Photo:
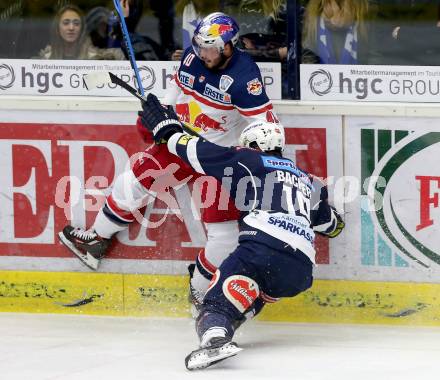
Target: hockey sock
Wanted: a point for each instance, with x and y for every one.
(105, 227)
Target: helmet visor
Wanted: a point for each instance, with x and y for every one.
(204, 50)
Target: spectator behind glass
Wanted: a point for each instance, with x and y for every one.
(69, 39)
(163, 10)
(266, 39)
(192, 12)
(410, 32)
(335, 32)
(98, 27)
(264, 33)
(144, 47)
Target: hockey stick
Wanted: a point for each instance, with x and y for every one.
(126, 38)
(140, 94)
(99, 79)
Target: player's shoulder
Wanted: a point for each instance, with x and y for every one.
(244, 65)
(248, 156)
(246, 75)
(245, 60)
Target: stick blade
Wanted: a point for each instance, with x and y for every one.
(94, 80)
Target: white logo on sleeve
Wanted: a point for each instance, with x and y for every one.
(225, 82)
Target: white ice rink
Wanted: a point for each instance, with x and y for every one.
(37, 347)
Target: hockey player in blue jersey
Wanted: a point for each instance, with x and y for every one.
(281, 209)
(217, 91)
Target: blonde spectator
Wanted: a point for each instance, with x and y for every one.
(335, 31)
(69, 39)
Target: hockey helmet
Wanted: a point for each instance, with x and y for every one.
(267, 136)
(215, 31)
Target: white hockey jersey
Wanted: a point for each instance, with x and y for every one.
(219, 104)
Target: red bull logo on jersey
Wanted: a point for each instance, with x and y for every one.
(254, 87)
(191, 114)
(216, 94)
(206, 123)
(216, 30)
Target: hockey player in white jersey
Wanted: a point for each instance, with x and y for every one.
(216, 91)
(281, 210)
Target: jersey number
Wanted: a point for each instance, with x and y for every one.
(189, 58)
(303, 202)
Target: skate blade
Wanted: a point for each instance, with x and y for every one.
(87, 259)
(206, 357)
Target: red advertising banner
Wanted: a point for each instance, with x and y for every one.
(51, 173)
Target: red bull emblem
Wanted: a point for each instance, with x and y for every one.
(217, 30)
(191, 114)
(254, 87)
(205, 123)
(224, 29)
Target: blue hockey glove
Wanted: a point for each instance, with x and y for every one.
(161, 120)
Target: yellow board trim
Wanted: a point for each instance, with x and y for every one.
(328, 301)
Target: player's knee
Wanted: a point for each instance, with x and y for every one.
(128, 192)
(241, 291)
(222, 230)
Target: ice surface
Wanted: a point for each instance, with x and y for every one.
(36, 347)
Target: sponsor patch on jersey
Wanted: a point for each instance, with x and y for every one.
(216, 94)
(241, 291)
(225, 82)
(291, 224)
(184, 139)
(279, 163)
(254, 87)
(186, 79)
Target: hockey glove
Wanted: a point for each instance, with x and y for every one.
(339, 225)
(161, 120)
(329, 229)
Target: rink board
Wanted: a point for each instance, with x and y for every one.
(328, 301)
(56, 168)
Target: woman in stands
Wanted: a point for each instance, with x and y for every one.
(69, 39)
(335, 32)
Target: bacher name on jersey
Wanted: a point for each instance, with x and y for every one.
(280, 205)
(218, 104)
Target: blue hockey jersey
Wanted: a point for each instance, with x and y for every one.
(219, 104)
(279, 203)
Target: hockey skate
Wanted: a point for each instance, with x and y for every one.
(219, 349)
(88, 246)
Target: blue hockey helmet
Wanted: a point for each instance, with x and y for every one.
(215, 31)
